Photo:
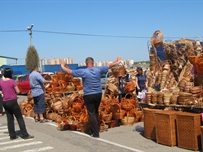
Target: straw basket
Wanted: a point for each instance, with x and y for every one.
(174, 99)
(85, 127)
(29, 95)
(148, 97)
(128, 121)
(112, 87)
(184, 98)
(157, 38)
(166, 128)
(196, 89)
(188, 130)
(118, 70)
(130, 86)
(154, 97)
(160, 98)
(107, 117)
(167, 97)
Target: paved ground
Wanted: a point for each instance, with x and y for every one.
(48, 138)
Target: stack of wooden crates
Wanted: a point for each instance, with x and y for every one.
(173, 128)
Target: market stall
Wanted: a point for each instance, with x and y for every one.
(65, 105)
(173, 103)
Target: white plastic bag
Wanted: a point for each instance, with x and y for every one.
(142, 94)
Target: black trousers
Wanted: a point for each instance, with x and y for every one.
(92, 103)
(12, 109)
(1, 104)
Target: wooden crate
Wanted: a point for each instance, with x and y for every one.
(149, 123)
(201, 128)
(166, 127)
(188, 130)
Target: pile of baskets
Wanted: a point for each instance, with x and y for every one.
(127, 111)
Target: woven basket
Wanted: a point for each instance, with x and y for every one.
(118, 70)
(165, 127)
(112, 87)
(130, 87)
(188, 130)
(85, 127)
(174, 99)
(157, 38)
(128, 121)
(107, 117)
(29, 95)
(149, 123)
(160, 98)
(148, 97)
(196, 89)
(154, 97)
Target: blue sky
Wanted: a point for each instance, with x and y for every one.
(134, 18)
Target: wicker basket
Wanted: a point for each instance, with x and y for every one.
(188, 130)
(85, 127)
(118, 70)
(148, 97)
(128, 121)
(166, 127)
(130, 87)
(149, 123)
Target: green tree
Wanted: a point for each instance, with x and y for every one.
(32, 58)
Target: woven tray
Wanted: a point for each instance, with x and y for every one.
(149, 123)
(188, 130)
(166, 127)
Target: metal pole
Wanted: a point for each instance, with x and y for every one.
(30, 29)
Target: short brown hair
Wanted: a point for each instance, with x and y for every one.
(89, 60)
(140, 69)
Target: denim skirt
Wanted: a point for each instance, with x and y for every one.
(39, 104)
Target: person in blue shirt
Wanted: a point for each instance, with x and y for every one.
(37, 90)
(141, 80)
(91, 77)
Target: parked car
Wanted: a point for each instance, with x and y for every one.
(104, 79)
(17, 77)
(24, 84)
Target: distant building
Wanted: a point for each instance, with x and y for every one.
(3, 61)
(57, 61)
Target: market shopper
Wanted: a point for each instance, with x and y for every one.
(1, 104)
(37, 90)
(91, 77)
(1, 95)
(122, 82)
(10, 91)
(141, 80)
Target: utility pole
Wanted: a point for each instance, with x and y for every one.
(30, 29)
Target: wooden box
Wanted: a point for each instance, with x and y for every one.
(188, 130)
(149, 123)
(166, 127)
(201, 128)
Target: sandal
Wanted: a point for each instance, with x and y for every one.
(43, 120)
(36, 120)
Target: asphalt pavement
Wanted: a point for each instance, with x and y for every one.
(48, 138)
